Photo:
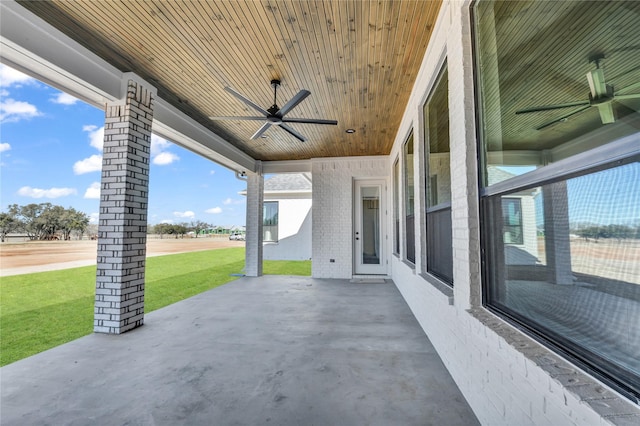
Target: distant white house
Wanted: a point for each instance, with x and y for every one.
(518, 222)
(287, 217)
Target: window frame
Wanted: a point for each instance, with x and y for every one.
(429, 209)
(276, 225)
(396, 206)
(409, 192)
(589, 361)
(618, 152)
(519, 225)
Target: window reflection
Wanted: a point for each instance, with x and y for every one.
(557, 78)
(569, 260)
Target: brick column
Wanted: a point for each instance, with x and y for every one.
(255, 201)
(122, 229)
(556, 232)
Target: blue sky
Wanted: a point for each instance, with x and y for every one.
(51, 151)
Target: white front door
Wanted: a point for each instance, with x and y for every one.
(368, 228)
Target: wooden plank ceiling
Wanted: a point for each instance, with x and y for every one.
(359, 59)
(543, 52)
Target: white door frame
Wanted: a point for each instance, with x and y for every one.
(376, 265)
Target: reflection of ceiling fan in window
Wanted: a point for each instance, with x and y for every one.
(601, 96)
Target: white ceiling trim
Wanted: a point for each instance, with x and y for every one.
(32, 46)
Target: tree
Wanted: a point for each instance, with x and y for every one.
(92, 231)
(198, 225)
(180, 229)
(73, 220)
(51, 221)
(8, 223)
(47, 222)
(162, 228)
(32, 218)
(590, 232)
(619, 232)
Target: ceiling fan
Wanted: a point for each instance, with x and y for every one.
(274, 115)
(601, 96)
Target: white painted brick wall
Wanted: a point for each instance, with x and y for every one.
(507, 378)
(332, 211)
(122, 236)
(294, 231)
(253, 245)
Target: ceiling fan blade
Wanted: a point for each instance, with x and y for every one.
(628, 115)
(624, 97)
(261, 130)
(563, 118)
(597, 84)
(629, 87)
(246, 101)
(293, 132)
(552, 107)
(294, 102)
(238, 118)
(309, 121)
(606, 113)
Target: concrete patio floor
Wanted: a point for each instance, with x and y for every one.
(273, 350)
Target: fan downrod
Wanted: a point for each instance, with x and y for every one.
(273, 110)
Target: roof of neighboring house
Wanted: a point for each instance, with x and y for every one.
(496, 174)
(288, 182)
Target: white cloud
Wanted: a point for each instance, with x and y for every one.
(88, 165)
(215, 210)
(229, 201)
(93, 191)
(212, 172)
(165, 158)
(158, 145)
(12, 110)
(168, 221)
(10, 77)
(4, 147)
(96, 135)
(64, 99)
(27, 191)
(159, 153)
(93, 218)
(187, 214)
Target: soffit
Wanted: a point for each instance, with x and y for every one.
(358, 58)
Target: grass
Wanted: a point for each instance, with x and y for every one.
(43, 310)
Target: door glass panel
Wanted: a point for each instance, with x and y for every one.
(370, 198)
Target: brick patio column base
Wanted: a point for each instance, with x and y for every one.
(122, 228)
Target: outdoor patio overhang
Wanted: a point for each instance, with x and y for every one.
(358, 59)
(37, 49)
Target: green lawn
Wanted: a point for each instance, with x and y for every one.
(43, 310)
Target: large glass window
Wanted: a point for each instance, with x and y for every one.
(270, 221)
(409, 204)
(559, 97)
(556, 78)
(439, 251)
